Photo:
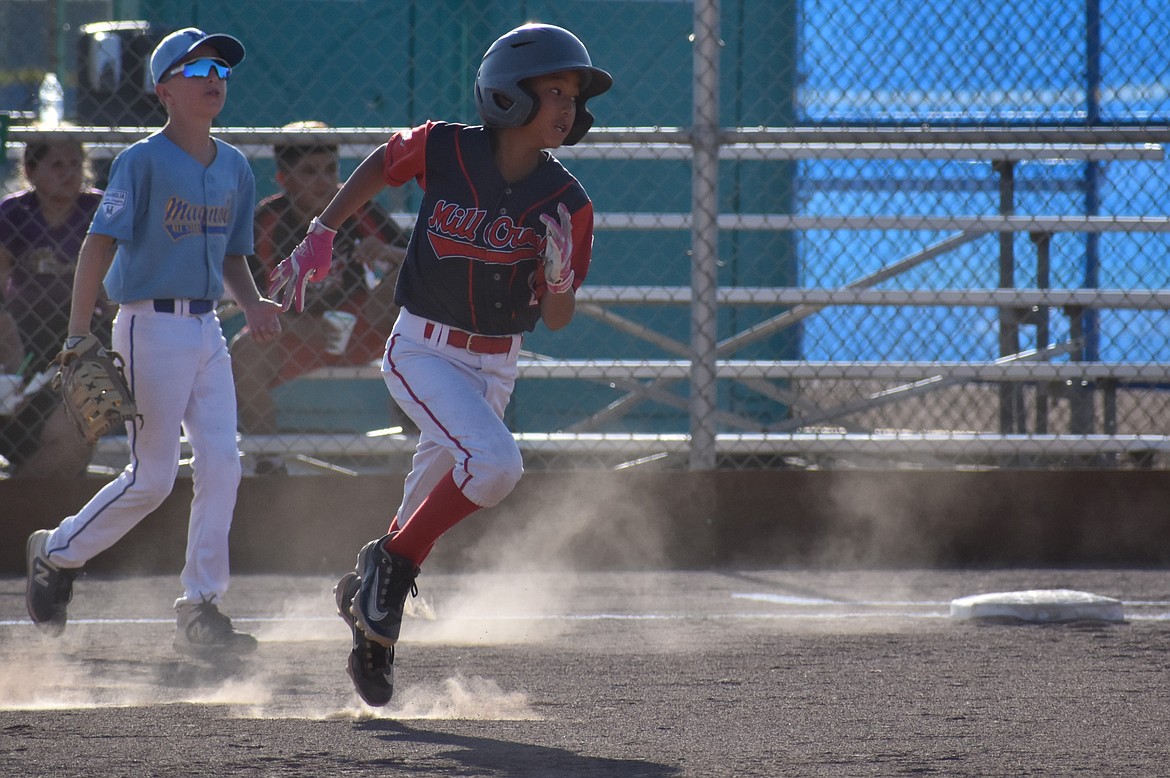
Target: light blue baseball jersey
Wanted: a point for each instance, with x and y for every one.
(174, 220)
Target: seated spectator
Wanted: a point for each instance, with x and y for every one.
(41, 229)
(367, 253)
(11, 347)
(11, 365)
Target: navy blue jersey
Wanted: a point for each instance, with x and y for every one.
(474, 258)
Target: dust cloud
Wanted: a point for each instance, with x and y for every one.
(518, 564)
(879, 522)
(513, 585)
(468, 699)
(80, 674)
(88, 670)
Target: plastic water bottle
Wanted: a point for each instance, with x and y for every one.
(51, 98)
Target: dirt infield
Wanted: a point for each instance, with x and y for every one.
(728, 673)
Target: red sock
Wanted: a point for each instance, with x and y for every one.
(442, 509)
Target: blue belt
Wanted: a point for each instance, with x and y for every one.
(193, 306)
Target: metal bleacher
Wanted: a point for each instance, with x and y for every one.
(815, 428)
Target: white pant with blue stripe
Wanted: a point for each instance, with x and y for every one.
(178, 368)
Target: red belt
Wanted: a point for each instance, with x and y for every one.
(473, 342)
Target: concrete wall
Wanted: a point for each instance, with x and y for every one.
(635, 520)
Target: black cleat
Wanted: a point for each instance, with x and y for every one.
(48, 588)
(370, 666)
(386, 579)
(202, 631)
(270, 466)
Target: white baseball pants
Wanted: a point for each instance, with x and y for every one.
(178, 368)
(457, 399)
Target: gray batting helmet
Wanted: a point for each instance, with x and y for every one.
(529, 51)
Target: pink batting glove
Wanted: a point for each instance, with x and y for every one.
(309, 261)
(558, 251)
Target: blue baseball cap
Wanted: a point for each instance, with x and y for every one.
(182, 42)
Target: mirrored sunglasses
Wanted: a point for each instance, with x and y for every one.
(201, 68)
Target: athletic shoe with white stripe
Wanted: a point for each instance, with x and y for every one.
(386, 579)
(49, 588)
(370, 666)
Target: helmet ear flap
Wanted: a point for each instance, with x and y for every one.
(506, 107)
(533, 104)
(581, 125)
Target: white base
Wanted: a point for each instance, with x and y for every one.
(1038, 605)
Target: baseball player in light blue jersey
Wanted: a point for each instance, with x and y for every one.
(170, 238)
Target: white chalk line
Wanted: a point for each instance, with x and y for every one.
(803, 609)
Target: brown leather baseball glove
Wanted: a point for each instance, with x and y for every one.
(93, 387)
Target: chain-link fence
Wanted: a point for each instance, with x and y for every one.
(828, 233)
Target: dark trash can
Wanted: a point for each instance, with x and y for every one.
(113, 78)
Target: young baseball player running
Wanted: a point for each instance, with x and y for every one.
(169, 237)
(503, 240)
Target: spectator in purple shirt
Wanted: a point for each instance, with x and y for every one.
(41, 229)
